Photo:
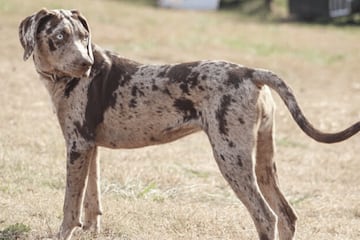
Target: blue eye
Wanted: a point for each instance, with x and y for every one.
(60, 36)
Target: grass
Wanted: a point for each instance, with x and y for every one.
(175, 191)
(16, 231)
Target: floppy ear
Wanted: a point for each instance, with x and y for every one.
(27, 31)
(77, 15)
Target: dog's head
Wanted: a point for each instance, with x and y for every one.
(60, 41)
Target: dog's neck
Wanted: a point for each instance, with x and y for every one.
(53, 77)
(55, 85)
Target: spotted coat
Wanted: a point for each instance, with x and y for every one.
(103, 99)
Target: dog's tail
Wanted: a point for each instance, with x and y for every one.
(261, 77)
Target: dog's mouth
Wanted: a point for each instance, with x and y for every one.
(86, 72)
(78, 71)
(85, 68)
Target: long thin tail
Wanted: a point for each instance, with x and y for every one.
(261, 77)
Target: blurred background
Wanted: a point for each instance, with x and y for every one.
(305, 10)
(175, 191)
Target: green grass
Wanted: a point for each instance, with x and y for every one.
(15, 232)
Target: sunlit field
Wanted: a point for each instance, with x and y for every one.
(175, 191)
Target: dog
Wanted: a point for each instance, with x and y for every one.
(104, 100)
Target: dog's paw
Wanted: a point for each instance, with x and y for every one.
(67, 230)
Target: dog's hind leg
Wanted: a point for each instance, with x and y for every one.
(92, 201)
(266, 171)
(236, 163)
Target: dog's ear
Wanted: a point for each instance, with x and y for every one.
(28, 30)
(77, 15)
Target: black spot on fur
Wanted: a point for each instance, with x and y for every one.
(135, 91)
(193, 79)
(240, 163)
(263, 237)
(106, 78)
(234, 79)
(231, 144)
(84, 130)
(51, 45)
(222, 112)
(154, 87)
(184, 87)
(28, 22)
(167, 92)
(74, 155)
(70, 86)
(132, 103)
(248, 73)
(236, 76)
(184, 75)
(163, 72)
(180, 72)
(54, 21)
(241, 120)
(228, 178)
(186, 106)
(42, 24)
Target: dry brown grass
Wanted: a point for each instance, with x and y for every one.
(175, 191)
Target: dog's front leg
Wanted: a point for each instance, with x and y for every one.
(77, 169)
(92, 201)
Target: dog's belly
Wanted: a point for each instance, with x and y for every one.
(139, 130)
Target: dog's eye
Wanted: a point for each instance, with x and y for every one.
(59, 36)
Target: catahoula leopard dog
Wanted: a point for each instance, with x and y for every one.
(102, 99)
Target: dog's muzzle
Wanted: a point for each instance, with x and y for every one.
(85, 66)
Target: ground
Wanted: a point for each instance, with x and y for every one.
(175, 191)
